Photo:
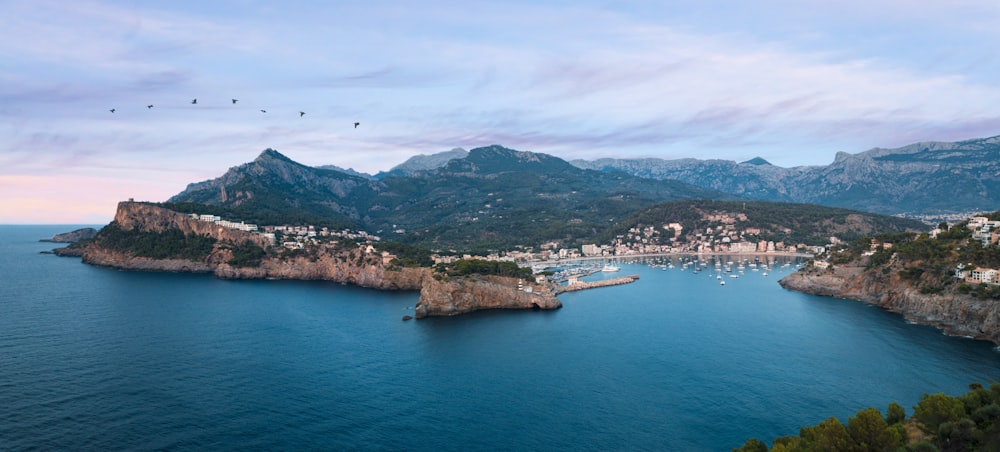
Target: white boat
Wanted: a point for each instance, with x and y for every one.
(722, 283)
(610, 268)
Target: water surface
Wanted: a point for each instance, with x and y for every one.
(93, 358)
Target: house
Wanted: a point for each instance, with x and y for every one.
(982, 276)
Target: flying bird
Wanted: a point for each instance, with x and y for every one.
(112, 110)
(263, 111)
(149, 106)
(194, 101)
(356, 125)
(234, 100)
(301, 113)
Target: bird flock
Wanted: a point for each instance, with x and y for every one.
(234, 101)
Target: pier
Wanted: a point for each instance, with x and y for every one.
(576, 284)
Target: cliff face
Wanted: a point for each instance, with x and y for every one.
(146, 217)
(955, 314)
(463, 295)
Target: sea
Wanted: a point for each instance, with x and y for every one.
(93, 358)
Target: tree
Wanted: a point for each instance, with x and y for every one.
(960, 435)
(869, 432)
(936, 409)
(895, 414)
(987, 416)
(753, 445)
(827, 435)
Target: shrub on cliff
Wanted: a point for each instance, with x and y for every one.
(169, 244)
(247, 254)
(464, 267)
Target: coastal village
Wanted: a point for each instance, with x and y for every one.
(724, 237)
(988, 233)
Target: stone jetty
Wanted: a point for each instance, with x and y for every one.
(576, 284)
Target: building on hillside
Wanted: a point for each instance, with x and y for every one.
(981, 275)
(986, 232)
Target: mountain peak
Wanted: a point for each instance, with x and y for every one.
(497, 159)
(428, 162)
(757, 161)
(270, 155)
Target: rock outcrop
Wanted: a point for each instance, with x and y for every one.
(460, 295)
(955, 314)
(72, 236)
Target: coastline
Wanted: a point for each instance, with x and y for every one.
(796, 254)
(953, 314)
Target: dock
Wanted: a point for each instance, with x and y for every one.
(576, 284)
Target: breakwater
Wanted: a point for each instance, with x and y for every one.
(576, 284)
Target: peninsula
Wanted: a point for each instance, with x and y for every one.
(150, 238)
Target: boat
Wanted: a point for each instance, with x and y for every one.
(609, 268)
(722, 283)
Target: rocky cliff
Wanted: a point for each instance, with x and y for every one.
(328, 262)
(461, 295)
(149, 217)
(955, 314)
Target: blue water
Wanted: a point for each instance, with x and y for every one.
(93, 358)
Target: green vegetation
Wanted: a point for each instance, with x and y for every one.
(247, 254)
(463, 267)
(927, 263)
(780, 222)
(970, 422)
(406, 255)
(493, 200)
(169, 244)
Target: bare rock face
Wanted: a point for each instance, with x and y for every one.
(462, 295)
(955, 314)
(146, 217)
(331, 266)
(107, 258)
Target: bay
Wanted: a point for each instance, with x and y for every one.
(94, 358)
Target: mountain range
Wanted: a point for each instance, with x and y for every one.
(494, 197)
(924, 179)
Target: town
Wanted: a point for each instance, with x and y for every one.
(721, 237)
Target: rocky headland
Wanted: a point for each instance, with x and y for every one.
(72, 236)
(357, 265)
(460, 295)
(954, 313)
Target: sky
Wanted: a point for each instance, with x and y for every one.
(791, 81)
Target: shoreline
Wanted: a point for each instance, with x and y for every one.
(795, 254)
